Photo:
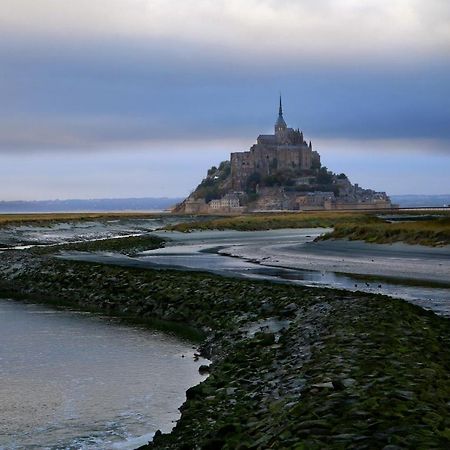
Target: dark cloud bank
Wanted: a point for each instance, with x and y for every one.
(102, 96)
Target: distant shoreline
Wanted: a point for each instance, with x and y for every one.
(87, 211)
(161, 204)
(89, 205)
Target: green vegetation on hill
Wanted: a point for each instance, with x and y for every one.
(321, 179)
(217, 181)
(214, 185)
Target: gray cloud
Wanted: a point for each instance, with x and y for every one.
(103, 102)
(322, 30)
(92, 74)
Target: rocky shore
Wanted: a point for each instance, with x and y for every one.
(292, 367)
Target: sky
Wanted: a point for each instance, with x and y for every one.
(138, 98)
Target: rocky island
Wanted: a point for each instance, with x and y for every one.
(280, 172)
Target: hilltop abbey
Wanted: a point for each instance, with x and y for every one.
(280, 172)
(284, 150)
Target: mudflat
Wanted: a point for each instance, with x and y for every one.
(415, 262)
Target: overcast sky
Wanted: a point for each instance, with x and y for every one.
(121, 98)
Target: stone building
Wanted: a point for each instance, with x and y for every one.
(191, 205)
(315, 200)
(228, 203)
(286, 149)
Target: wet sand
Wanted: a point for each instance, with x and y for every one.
(291, 256)
(411, 262)
(295, 249)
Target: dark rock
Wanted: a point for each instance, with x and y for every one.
(265, 338)
(342, 383)
(213, 444)
(326, 385)
(194, 392)
(338, 384)
(204, 369)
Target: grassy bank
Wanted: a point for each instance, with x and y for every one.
(48, 218)
(293, 367)
(253, 222)
(130, 245)
(434, 232)
(366, 226)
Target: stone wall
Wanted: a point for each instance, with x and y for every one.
(266, 160)
(375, 204)
(195, 206)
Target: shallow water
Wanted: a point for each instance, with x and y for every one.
(23, 236)
(76, 380)
(290, 256)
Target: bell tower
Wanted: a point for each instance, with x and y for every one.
(280, 124)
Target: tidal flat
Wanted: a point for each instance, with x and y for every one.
(419, 274)
(293, 367)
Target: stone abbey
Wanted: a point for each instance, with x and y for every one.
(280, 172)
(284, 150)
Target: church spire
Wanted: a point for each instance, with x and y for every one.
(280, 125)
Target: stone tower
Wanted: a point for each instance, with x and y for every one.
(280, 124)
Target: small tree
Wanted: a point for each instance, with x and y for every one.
(212, 171)
(324, 176)
(315, 164)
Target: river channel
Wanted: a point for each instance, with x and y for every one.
(72, 380)
(418, 274)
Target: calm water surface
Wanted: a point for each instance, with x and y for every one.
(72, 380)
